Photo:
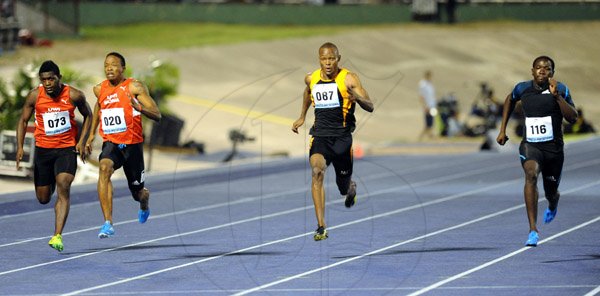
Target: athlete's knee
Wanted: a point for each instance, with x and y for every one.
(63, 183)
(318, 172)
(105, 169)
(43, 196)
(43, 199)
(531, 176)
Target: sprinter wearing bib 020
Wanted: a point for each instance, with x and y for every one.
(118, 112)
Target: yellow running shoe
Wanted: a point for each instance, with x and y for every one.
(320, 233)
(56, 242)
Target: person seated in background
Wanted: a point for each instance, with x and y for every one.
(581, 126)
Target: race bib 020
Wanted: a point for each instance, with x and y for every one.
(56, 122)
(113, 121)
(325, 95)
(539, 129)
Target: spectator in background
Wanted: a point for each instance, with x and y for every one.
(451, 11)
(581, 126)
(428, 101)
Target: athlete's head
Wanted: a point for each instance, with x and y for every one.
(328, 58)
(542, 69)
(49, 75)
(114, 66)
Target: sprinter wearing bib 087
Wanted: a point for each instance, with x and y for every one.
(334, 93)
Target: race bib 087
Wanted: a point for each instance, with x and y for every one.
(113, 121)
(56, 122)
(325, 95)
(539, 129)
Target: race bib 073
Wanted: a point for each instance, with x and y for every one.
(539, 129)
(325, 95)
(56, 122)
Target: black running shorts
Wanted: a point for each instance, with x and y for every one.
(550, 162)
(131, 158)
(49, 162)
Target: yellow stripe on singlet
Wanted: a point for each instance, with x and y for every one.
(235, 110)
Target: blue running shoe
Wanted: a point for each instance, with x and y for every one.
(533, 238)
(549, 215)
(106, 230)
(143, 215)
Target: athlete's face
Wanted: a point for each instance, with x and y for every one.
(113, 68)
(329, 58)
(50, 82)
(542, 71)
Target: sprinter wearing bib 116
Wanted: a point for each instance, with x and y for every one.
(334, 92)
(121, 102)
(545, 103)
(56, 144)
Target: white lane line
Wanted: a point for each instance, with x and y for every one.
(433, 166)
(593, 292)
(126, 280)
(250, 220)
(269, 196)
(499, 259)
(260, 218)
(271, 284)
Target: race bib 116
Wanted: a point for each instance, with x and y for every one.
(539, 129)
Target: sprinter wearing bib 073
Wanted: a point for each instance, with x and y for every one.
(56, 144)
(334, 93)
(545, 103)
(118, 112)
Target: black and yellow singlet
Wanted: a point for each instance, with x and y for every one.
(334, 113)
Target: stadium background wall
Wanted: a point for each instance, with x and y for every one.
(103, 13)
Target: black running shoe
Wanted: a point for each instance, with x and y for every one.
(320, 233)
(351, 196)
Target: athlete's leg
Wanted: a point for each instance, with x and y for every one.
(105, 188)
(532, 170)
(318, 166)
(551, 174)
(43, 174)
(143, 196)
(342, 163)
(61, 207)
(134, 171)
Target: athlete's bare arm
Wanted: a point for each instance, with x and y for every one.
(569, 112)
(509, 106)
(306, 101)
(95, 122)
(145, 104)
(78, 99)
(27, 111)
(357, 93)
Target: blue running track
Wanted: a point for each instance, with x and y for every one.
(431, 225)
